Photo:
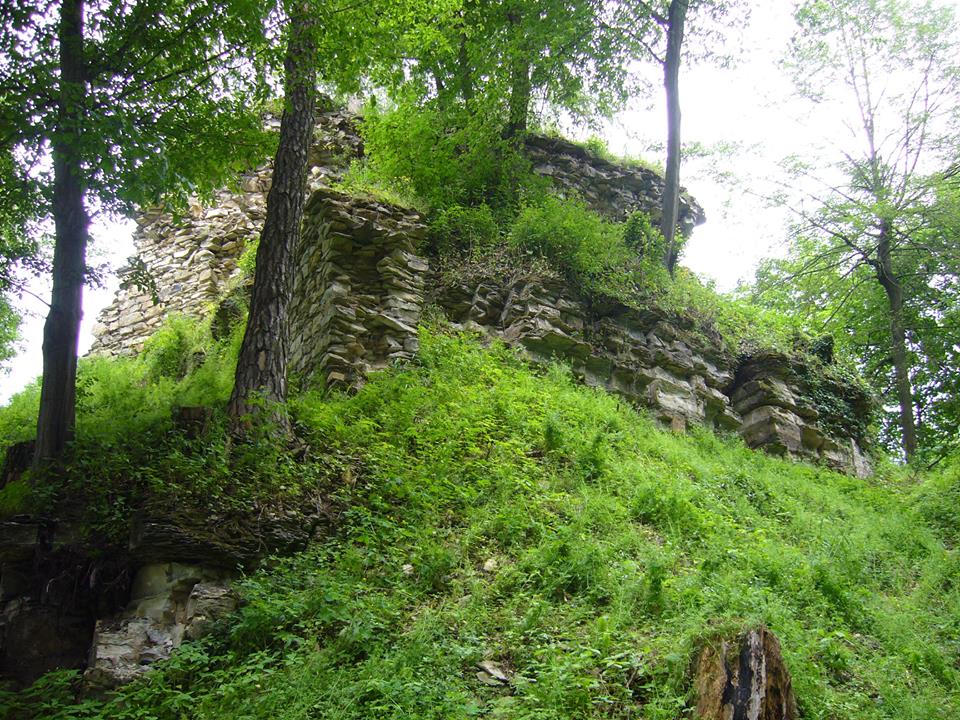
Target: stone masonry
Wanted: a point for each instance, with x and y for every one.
(360, 287)
(193, 257)
(358, 290)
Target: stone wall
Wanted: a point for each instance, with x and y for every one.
(612, 189)
(193, 256)
(358, 290)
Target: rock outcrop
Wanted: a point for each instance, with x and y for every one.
(645, 356)
(612, 189)
(51, 593)
(193, 256)
(169, 603)
(790, 409)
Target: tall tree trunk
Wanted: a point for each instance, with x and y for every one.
(262, 365)
(61, 331)
(898, 338)
(671, 82)
(520, 91)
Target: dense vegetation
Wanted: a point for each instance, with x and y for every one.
(482, 509)
(488, 510)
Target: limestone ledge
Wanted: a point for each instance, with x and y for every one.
(779, 415)
(169, 603)
(609, 188)
(641, 356)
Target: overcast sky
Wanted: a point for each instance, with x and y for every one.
(748, 104)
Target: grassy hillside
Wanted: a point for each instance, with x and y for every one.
(487, 511)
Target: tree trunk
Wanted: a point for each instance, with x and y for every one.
(520, 84)
(55, 423)
(262, 366)
(898, 338)
(520, 90)
(671, 82)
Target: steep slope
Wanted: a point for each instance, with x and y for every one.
(506, 543)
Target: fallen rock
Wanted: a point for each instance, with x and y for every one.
(492, 673)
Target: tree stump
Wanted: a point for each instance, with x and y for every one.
(745, 680)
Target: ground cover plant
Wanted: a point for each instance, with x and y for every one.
(491, 511)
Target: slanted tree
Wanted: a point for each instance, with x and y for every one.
(133, 101)
(323, 41)
(890, 76)
(262, 363)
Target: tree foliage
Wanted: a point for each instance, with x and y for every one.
(131, 102)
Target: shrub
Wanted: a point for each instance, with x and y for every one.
(579, 241)
(463, 229)
(640, 235)
(173, 350)
(938, 501)
(448, 157)
(363, 178)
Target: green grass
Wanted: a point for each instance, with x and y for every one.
(491, 511)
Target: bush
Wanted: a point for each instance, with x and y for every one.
(363, 178)
(174, 349)
(640, 235)
(584, 245)
(463, 229)
(938, 501)
(448, 157)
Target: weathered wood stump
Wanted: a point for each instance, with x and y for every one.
(745, 680)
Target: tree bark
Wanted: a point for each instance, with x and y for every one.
(261, 373)
(676, 18)
(898, 338)
(56, 419)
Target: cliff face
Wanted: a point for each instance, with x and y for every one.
(360, 289)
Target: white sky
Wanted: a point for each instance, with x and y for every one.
(748, 104)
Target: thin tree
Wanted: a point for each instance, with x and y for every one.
(662, 37)
(676, 19)
(890, 71)
(133, 101)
